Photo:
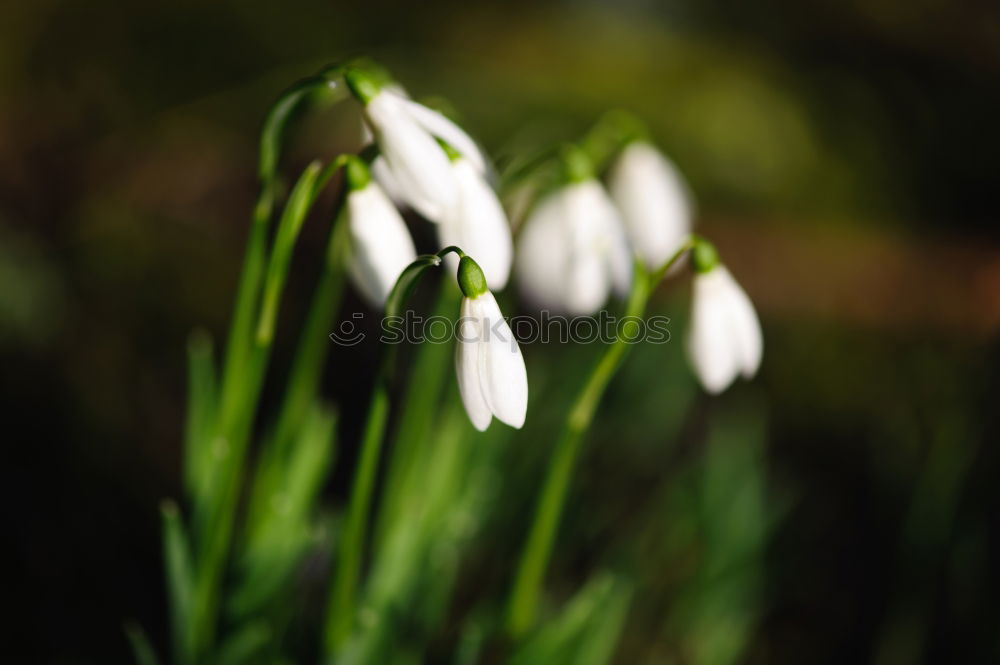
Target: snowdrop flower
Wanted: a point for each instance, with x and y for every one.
(653, 200)
(405, 133)
(477, 223)
(380, 244)
(491, 375)
(573, 250)
(725, 339)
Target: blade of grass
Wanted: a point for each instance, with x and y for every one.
(142, 650)
(538, 548)
(431, 366)
(177, 560)
(276, 547)
(238, 405)
(340, 613)
(303, 382)
(200, 414)
(585, 632)
(244, 645)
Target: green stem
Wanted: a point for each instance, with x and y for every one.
(340, 611)
(307, 369)
(314, 342)
(215, 516)
(239, 345)
(522, 606)
(343, 592)
(417, 415)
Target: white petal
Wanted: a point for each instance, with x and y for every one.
(597, 235)
(479, 226)
(543, 253)
(502, 375)
(387, 181)
(440, 126)
(467, 367)
(747, 338)
(381, 246)
(418, 164)
(654, 201)
(586, 284)
(573, 250)
(711, 339)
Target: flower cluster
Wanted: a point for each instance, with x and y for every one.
(581, 242)
(427, 163)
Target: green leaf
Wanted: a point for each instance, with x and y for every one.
(141, 648)
(431, 367)
(244, 645)
(585, 632)
(299, 203)
(177, 558)
(200, 413)
(286, 527)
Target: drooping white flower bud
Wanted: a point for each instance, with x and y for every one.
(573, 251)
(478, 224)
(725, 339)
(380, 244)
(492, 379)
(654, 202)
(405, 132)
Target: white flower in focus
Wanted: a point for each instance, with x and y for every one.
(380, 244)
(405, 132)
(725, 339)
(478, 224)
(573, 251)
(491, 376)
(654, 202)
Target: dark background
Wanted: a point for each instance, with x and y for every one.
(843, 154)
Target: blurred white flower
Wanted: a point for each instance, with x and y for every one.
(654, 202)
(478, 225)
(573, 251)
(725, 339)
(380, 244)
(492, 379)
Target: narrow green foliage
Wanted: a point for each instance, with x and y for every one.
(534, 559)
(142, 650)
(585, 632)
(275, 544)
(341, 610)
(244, 645)
(238, 404)
(200, 414)
(180, 582)
(431, 367)
(299, 203)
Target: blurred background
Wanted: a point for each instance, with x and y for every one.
(840, 508)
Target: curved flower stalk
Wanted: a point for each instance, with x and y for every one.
(653, 199)
(500, 377)
(380, 244)
(723, 322)
(725, 339)
(491, 375)
(477, 223)
(405, 132)
(573, 251)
